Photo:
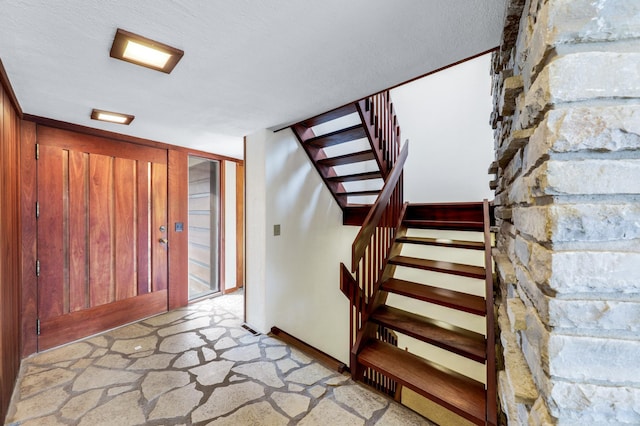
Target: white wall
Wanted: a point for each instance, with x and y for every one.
(230, 224)
(445, 116)
(301, 282)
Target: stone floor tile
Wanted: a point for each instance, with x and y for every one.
(309, 375)
(36, 383)
(42, 404)
(261, 371)
(112, 361)
(236, 378)
(177, 403)
(225, 343)
(209, 354)
(276, 352)
(213, 334)
(78, 406)
(42, 421)
(94, 377)
(63, 354)
(124, 409)
(337, 380)
(242, 353)
(81, 364)
(132, 331)
(328, 412)
(212, 373)
(268, 340)
(181, 342)
(227, 399)
(285, 365)
(158, 382)
(153, 362)
(238, 332)
(359, 399)
(317, 391)
(291, 403)
(260, 413)
(167, 318)
(99, 352)
(295, 388)
(117, 390)
(189, 325)
(99, 341)
(299, 357)
(141, 354)
(131, 346)
(231, 322)
(396, 414)
(187, 359)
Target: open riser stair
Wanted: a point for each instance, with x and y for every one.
(354, 148)
(420, 282)
(431, 292)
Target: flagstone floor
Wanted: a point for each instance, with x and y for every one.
(194, 365)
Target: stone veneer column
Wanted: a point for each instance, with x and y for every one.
(567, 131)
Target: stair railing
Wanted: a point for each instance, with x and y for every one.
(492, 404)
(371, 249)
(381, 124)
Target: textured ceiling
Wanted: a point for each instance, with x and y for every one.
(248, 64)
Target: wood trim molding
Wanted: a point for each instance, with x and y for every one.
(222, 241)
(240, 230)
(6, 84)
(50, 122)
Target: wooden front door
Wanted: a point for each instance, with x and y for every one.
(102, 229)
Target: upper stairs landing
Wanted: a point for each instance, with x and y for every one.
(353, 148)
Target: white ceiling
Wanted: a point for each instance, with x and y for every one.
(248, 64)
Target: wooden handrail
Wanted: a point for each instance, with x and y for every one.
(492, 403)
(382, 128)
(372, 220)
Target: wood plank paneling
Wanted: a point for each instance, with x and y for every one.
(100, 146)
(101, 280)
(159, 268)
(240, 225)
(10, 246)
(80, 324)
(178, 210)
(51, 243)
(143, 176)
(29, 238)
(78, 230)
(125, 231)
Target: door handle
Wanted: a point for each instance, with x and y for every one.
(164, 241)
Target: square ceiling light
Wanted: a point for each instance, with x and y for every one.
(111, 117)
(145, 52)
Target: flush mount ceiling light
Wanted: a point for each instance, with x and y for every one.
(142, 51)
(111, 117)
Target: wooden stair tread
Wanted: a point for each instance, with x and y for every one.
(439, 296)
(439, 266)
(438, 333)
(441, 242)
(458, 393)
(331, 115)
(358, 193)
(444, 224)
(339, 136)
(356, 177)
(354, 157)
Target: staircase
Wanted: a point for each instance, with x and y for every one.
(407, 308)
(354, 148)
(410, 337)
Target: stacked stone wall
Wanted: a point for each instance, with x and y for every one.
(566, 86)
